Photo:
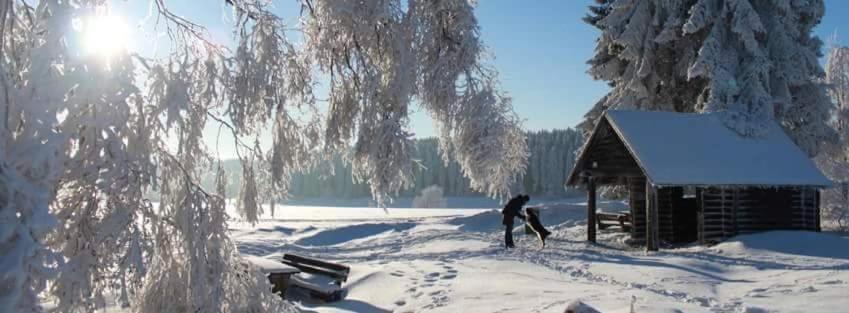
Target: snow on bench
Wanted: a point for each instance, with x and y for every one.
(319, 288)
(269, 266)
(279, 274)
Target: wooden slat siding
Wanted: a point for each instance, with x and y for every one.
(591, 209)
(637, 202)
(666, 214)
(809, 209)
(777, 208)
(817, 203)
(801, 211)
(700, 212)
(652, 220)
(717, 215)
(613, 161)
(736, 210)
(812, 209)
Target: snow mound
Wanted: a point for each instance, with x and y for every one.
(580, 307)
(481, 222)
(343, 234)
(804, 243)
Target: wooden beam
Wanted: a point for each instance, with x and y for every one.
(591, 208)
(818, 211)
(621, 172)
(652, 227)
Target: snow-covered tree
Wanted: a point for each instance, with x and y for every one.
(835, 161)
(837, 76)
(84, 138)
(755, 60)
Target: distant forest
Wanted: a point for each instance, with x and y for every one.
(552, 154)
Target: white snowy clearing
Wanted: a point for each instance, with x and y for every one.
(453, 260)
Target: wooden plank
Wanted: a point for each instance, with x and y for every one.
(652, 229)
(337, 276)
(318, 263)
(735, 207)
(591, 209)
(818, 223)
(637, 202)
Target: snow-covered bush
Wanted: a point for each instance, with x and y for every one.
(431, 197)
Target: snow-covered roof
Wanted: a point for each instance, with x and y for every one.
(698, 149)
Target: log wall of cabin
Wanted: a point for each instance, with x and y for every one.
(637, 202)
(726, 212)
(608, 159)
(666, 211)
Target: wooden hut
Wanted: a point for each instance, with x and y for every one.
(691, 178)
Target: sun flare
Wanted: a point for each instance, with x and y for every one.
(105, 35)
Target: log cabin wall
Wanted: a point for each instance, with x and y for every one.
(716, 217)
(608, 160)
(806, 213)
(726, 212)
(637, 202)
(666, 210)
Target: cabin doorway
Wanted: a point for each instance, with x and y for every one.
(678, 210)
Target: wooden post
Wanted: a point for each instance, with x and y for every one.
(818, 212)
(652, 220)
(591, 206)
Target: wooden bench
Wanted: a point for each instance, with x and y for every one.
(279, 274)
(606, 219)
(317, 288)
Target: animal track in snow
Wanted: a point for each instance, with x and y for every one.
(434, 285)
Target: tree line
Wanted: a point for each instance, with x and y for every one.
(551, 156)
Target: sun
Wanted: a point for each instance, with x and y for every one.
(105, 35)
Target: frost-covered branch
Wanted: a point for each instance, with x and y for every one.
(82, 141)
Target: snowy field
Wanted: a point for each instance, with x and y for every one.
(452, 260)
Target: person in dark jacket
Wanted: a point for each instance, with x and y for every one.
(512, 210)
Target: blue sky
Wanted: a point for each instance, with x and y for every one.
(539, 47)
(541, 50)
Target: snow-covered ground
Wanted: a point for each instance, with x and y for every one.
(452, 260)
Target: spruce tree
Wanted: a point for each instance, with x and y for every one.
(756, 61)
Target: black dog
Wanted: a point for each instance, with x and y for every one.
(533, 221)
